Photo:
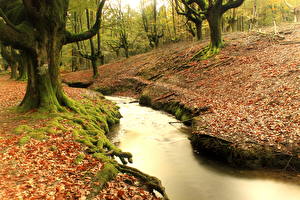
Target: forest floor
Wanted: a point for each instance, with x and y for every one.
(46, 168)
(249, 92)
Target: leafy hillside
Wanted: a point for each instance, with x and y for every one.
(247, 95)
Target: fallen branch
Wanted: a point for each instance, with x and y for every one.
(164, 97)
(223, 62)
(288, 163)
(289, 42)
(134, 101)
(181, 122)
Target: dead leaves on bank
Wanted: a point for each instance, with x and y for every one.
(53, 168)
(252, 86)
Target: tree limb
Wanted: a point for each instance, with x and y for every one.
(70, 38)
(232, 4)
(8, 22)
(14, 38)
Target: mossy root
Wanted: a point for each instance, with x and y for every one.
(152, 183)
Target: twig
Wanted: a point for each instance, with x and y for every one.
(290, 42)
(134, 101)
(180, 122)
(288, 163)
(164, 97)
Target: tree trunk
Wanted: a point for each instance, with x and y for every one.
(74, 60)
(14, 71)
(23, 68)
(199, 31)
(95, 67)
(214, 21)
(44, 88)
(92, 46)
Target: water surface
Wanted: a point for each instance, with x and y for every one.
(163, 150)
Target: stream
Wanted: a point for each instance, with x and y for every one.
(163, 150)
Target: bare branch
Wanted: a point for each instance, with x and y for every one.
(232, 4)
(70, 38)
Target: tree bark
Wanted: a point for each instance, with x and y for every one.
(40, 34)
(14, 71)
(23, 68)
(199, 30)
(214, 21)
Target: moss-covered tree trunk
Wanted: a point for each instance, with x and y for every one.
(95, 67)
(214, 21)
(216, 43)
(40, 32)
(44, 89)
(213, 11)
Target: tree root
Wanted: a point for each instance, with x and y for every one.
(207, 52)
(152, 183)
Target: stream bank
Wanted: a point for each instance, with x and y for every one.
(163, 149)
(246, 154)
(244, 102)
(66, 154)
(249, 155)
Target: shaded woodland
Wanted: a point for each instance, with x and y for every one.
(229, 69)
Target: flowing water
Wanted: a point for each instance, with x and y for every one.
(163, 150)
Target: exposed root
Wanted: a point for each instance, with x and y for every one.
(152, 183)
(206, 53)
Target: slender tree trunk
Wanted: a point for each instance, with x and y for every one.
(14, 71)
(23, 68)
(126, 52)
(93, 53)
(173, 19)
(199, 30)
(74, 60)
(95, 67)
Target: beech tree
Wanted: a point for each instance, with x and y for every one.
(213, 11)
(192, 14)
(150, 24)
(12, 59)
(38, 29)
(96, 57)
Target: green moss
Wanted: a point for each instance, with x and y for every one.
(208, 52)
(80, 157)
(22, 129)
(38, 135)
(89, 122)
(53, 148)
(145, 100)
(178, 113)
(108, 172)
(185, 117)
(24, 140)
